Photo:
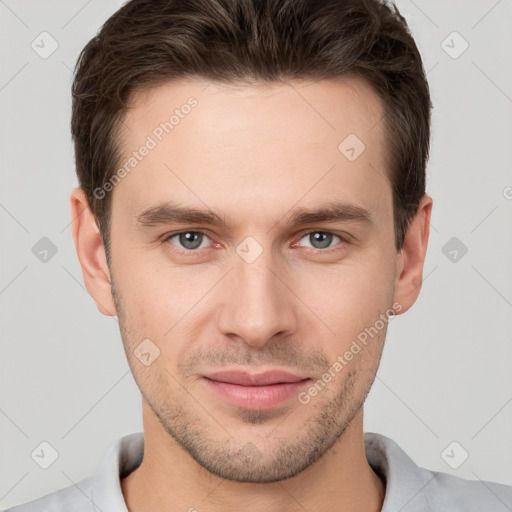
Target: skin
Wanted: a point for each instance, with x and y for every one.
(253, 154)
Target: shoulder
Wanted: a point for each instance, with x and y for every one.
(74, 498)
(411, 488)
(449, 492)
(100, 492)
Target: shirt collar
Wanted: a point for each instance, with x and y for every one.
(122, 458)
(403, 479)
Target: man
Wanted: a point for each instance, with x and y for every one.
(251, 203)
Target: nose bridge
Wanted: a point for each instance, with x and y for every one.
(257, 305)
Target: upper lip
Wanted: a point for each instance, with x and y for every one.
(243, 378)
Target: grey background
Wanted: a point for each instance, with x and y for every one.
(445, 374)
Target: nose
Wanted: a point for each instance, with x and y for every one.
(258, 306)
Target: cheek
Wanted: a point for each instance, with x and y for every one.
(150, 287)
(166, 305)
(347, 299)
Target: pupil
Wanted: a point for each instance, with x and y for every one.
(321, 239)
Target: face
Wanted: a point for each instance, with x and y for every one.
(285, 266)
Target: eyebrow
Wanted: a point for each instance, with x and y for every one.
(332, 212)
(168, 213)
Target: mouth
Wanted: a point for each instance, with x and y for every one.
(260, 391)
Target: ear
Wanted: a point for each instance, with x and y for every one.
(91, 253)
(412, 256)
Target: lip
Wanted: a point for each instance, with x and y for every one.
(264, 390)
(243, 378)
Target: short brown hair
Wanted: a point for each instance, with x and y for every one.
(150, 42)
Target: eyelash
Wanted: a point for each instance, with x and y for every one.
(191, 252)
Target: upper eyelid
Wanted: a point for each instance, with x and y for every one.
(344, 239)
(172, 235)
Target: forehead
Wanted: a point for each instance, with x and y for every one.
(340, 105)
(232, 146)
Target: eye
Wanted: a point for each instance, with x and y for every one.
(321, 239)
(188, 240)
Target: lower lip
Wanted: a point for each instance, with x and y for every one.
(256, 397)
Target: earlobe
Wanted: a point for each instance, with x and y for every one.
(410, 261)
(91, 253)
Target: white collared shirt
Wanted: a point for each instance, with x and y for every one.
(409, 488)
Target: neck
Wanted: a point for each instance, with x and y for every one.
(170, 479)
